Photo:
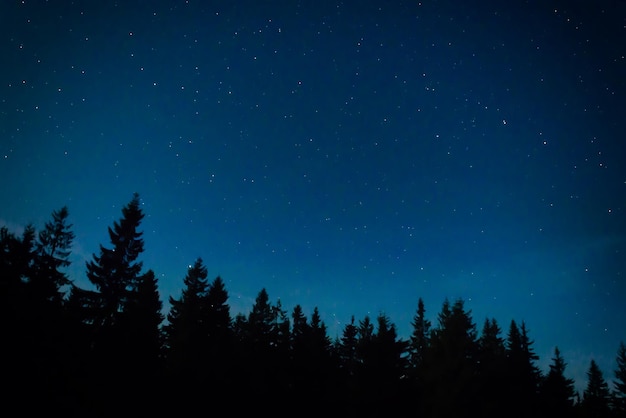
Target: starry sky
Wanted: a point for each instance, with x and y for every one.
(353, 156)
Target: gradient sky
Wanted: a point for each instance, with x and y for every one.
(353, 156)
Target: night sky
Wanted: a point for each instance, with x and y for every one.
(353, 156)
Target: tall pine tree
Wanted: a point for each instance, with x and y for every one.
(186, 330)
(491, 369)
(452, 358)
(52, 249)
(420, 337)
(619, 394)
(523, 375)
(597, 396)
(116, 271)
(557, 391)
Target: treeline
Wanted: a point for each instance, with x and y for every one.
(111, 351)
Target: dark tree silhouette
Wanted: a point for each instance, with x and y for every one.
(451, 372)
(491, 368)
(116, 275)
(557, 391)
(52, 250)
(33, 327)
(348, 360)
(387, 367)
(141, 326)
(619, 395)
(16, 256)
(311, 365)
(258, 348)
(420, 337)
(49, 334)
(115, 271)
(220, 337)
(523, 375)
(597, 396)
(186, 330)
(143, 318)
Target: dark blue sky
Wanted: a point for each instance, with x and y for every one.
(353, 156)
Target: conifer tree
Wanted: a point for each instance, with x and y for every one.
(523, 375)
(348, 349)
(391, 353)
(260, 323)
(219, 324)
(491, 368)
(258, 351)
(49, 334)
(318, 358)
(452, 357)
(16, 257)
(619, 394)
(52, 251)
(557, 391)
(420, 337)
(16, 319)
(186, 330)
(364, 342)
(115, 271)
(143, 318)
(299, 327)
(597, 396)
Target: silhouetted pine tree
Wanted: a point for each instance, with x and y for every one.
(52, 250)
(16, 327)
(141, 323)
(597, 396)
(491, 369)
(389, 367)
(364, 343)
(452, 357)
(16, 257)
(348, 362)
(279, 353)
(115, 273)
(186, 331)
(419, 344)
(143, 318)
(311, 360)
(420, 337)
(619, 393)
(257, 356)
(299, 353)
(557, 391)
(220, 350)
(523, 375)
(48, 330)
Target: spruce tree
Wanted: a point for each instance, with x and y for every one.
(115, 271)
(619, 394)
(523, 375)
(52, 249)
(116, 275)
(318, 366)
(597, 396)
(557, 391)
(491, 368)
(258, 354)
(420, 337)
(219, 328)
(348, 349)
(186, 330)
(452, 358)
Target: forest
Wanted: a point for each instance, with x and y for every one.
(111, 350)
